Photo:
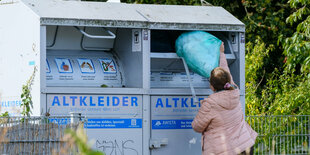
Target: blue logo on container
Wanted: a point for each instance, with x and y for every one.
(172, 124)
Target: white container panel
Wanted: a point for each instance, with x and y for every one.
(20, 54)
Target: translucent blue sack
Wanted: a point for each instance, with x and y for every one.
(201, 51)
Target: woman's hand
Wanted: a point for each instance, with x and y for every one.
(222, 49)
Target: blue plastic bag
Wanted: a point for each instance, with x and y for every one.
(201, 51)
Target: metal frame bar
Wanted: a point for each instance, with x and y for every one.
(146, 111)
(42, 71)
(142, 24)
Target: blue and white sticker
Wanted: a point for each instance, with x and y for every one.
(64, 65)
(108, 66)
(86, 66)
(113, 123)
(172, 124)
(103, 123)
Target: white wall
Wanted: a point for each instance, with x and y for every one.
(20, 53)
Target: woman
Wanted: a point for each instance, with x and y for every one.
(220, 118)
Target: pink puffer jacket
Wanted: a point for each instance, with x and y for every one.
(220, 120)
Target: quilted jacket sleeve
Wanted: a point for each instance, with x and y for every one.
(203, 117)
(224, 65)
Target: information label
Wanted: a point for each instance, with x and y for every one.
(113, 123)
(63, 65)
(172, 124)
(108, 65)
(180, 79)
(90, 69)
(86, 65)
(95, 123)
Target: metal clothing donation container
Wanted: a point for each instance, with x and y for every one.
(115, 64)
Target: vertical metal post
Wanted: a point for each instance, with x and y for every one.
(75, 118)
(242, 65)
(42, 70)
(146, 109)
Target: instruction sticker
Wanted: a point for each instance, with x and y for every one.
(172, 124)
(48, 70)
(86, 65)
(63, 65)
(113, 123)
(108, 66)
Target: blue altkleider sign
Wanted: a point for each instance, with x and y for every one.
(172, 124)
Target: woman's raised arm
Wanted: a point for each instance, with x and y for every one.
(224, 64)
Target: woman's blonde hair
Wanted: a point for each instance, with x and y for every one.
(219, 78)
